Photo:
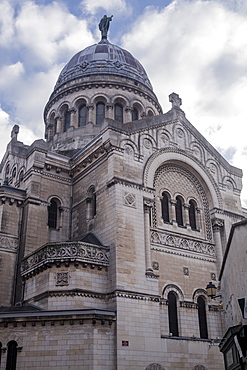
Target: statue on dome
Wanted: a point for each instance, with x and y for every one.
(104, 25)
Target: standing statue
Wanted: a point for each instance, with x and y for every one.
(104, 25)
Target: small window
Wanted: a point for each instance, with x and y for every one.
(165, 207)
(179, 211)
(202, 317)
(11, 355)
(82, 115)
(14, 172)
(134, 114)
(92, 203)
(52, 214)
(192, 214)
(67, 118)
(100, 113)
(21, 176)
(118, 112)
(172, 314)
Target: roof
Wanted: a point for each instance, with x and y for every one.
(103, 58)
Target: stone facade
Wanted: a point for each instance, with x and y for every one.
(111, 231)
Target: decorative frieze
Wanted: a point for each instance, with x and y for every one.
(182, 243)
(8, 243)
(70, 252)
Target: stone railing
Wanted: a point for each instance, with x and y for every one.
(181, 243)
(67, 253)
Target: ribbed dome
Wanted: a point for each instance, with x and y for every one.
(103, 59)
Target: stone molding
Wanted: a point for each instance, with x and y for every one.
(180, 243)
(8, 243)
(67, 252)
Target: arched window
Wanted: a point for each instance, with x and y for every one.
(67, 117)
(165, 207)
(11, 355)
(100, 112)
(118, 112)
(172, 314)
(21, 175)
(202, 317)
(192, 214)
(179, 211)
(134, 114)
(82, 115)
(91, 203)
(53, 214)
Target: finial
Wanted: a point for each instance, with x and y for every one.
(175, 100)
(104, 25)
(14, 132)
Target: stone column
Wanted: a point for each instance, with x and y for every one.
(89, 209)
(217, 225)
(186, 215)
(147, 207)
(90, 108)
(73, 120)
(110, 111)
(59, 124)
(128, 115)
(173, 211)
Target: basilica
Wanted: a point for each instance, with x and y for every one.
(112, 227)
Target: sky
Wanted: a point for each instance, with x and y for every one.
(196, 48)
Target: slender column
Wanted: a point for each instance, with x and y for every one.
(186, 215)
(89, 209)
(73, 120)
(217, 225)
(198, 219)
(59, 124)
(173, 211)
(147, 206)
(110, 111)
(90, 108)
(128, 116)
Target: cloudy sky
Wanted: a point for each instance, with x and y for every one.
(196, 48)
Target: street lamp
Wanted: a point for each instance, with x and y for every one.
(211, 290)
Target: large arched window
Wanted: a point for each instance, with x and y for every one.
(165, 207)
(179, 211)
(202, 317)
(11, 355)
(100, 112)
(134, 114)
(67, 118)
(53, 214)
(172, 314)
(192, 214)
(118, 112)
(82, 115)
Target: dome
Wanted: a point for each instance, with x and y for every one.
(103, 58)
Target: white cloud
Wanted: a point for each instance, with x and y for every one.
(118, 7)
(6, 23)
(199, 50)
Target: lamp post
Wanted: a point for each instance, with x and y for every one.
(211, 290)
